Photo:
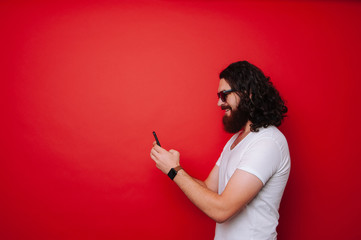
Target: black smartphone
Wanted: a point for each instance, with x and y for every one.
(156, 138)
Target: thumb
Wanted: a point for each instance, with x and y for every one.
(174, 152)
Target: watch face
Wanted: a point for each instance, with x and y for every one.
(172, 173)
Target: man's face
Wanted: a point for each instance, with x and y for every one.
(235, 118)
(232, 99)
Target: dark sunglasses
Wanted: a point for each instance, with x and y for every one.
(223, 94)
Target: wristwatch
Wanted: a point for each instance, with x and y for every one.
(173, 172)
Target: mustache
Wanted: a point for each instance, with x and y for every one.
(223, 107)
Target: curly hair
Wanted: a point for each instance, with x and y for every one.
(258, 95)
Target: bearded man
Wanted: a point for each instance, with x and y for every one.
(244, 189)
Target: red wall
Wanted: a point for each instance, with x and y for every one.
(83, 85)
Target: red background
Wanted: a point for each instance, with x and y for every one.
(84, 84)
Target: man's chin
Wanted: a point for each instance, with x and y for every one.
(233, 122)
(228, 125)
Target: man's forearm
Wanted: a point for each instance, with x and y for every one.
(200, 182)
(205, 199)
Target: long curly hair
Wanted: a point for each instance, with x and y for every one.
(258, 95)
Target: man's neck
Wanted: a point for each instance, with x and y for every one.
(243, 133)
(247, 128)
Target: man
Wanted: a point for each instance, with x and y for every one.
(243, 191)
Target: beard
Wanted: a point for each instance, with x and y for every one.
(236, 121)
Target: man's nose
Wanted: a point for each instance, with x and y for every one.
(220, 102)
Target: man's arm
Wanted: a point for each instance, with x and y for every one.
(200, 182)
(241, 188)
(212, 180)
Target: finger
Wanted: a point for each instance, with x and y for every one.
(153, 157)
(154, 153)
(154, 149)
(158, 148)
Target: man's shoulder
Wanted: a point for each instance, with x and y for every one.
(270, 132)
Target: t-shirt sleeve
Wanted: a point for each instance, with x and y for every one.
(262, 159)
(219, 160)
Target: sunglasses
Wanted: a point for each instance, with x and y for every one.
(223, 94)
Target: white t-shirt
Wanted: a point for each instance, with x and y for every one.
(264, 154)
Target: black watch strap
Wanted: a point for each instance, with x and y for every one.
(173, 172)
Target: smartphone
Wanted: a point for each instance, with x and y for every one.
(156, 138)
